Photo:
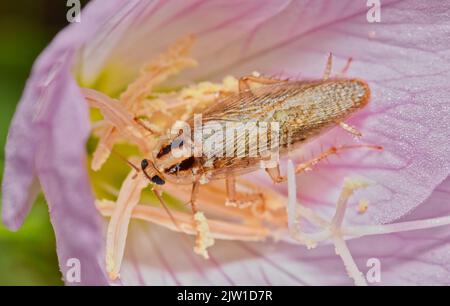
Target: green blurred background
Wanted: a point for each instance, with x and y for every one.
(27, 257)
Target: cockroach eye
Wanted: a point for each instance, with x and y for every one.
(157, 180)
(144, 164)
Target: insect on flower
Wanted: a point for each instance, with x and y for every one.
(247, 129)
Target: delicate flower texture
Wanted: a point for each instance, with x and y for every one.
(105, 88)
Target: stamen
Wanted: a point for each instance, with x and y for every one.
(366, 230)
(293, 211)
(129, 196)
(335, 232)
(157, 71)
(204, 239)
(350, 186)
(174, 60)
(350, 265)
(292, 198)
(218, 229)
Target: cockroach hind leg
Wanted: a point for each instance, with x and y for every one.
(334, 150)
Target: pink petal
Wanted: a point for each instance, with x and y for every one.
(47, 139)
(61, 167)
(153, 25)
(18, 188)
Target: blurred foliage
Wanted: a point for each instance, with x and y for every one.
(27, 257)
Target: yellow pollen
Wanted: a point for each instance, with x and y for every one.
(204, 239)
(363, 205)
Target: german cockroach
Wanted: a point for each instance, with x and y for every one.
(300, 110)
(237, 133)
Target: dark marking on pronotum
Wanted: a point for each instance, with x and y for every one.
(157, 180)
(184, 165)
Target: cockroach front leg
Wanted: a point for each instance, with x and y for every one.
(194, 194)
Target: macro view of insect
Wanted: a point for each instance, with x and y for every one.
(234, 134)
(225, 143)
(301, 109)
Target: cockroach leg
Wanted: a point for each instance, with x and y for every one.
(230, 183)
(329, 65)
(350, 129)
(346, 67)
(306, 166)
(194, 194)
(142, 124)
(332, 151)
(275, 174)
(244, 82)
(244, 201)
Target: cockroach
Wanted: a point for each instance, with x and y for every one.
(301, 110)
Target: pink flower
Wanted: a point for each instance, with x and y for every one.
(404, 60)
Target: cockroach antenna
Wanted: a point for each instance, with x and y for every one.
(142, 124)
(163, 204)
(126, 161)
